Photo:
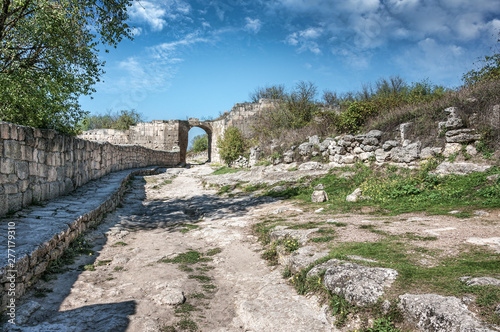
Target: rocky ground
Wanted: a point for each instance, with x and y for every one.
(175, 256)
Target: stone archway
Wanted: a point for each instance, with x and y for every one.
(184, 127)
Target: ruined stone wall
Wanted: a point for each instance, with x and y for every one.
(37, 165)
(157, 135)
(172, 135)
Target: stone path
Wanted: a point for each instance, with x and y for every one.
(133, 287)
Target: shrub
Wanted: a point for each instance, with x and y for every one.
(231, 145)
(199, 143)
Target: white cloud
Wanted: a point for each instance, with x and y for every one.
(305, 40)
(148, 12)
(166, 50)
(156, 13)
(252, 25)
(137, 31)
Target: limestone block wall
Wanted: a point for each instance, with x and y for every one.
(38, 165)
(157, 135)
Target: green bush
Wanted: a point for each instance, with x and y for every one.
(199, 143)
(120, 121)
(231, 145)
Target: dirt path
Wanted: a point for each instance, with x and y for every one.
(131, 284)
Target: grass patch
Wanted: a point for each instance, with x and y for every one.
(185, 308)
(201, 278)
(213, 252)
(120, 244)
(118, 268)
(209, 287)
(322, 239)
(190, 257)
(103, 262)
(225, 170)
(188, 227)
(187, 324)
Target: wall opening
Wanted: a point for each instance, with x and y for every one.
(199, 145)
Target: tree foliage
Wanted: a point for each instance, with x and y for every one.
(49, 57)
(276, 92)
(121, 121)
(231, 145)
(199, 143)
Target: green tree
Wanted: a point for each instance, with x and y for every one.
(199, 143)
(49, 57)
(231, 145)
(121, 121)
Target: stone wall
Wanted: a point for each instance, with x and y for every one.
(172, 135)
(38, 165)
(157, 135)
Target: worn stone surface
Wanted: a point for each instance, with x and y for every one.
(431, 312)
(282, 232)
(360, 285)
(248, 295)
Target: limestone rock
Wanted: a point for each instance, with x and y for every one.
(314, 139)
(374, 134)
(404, 130)
(288, 156)
(360, 285)
(302, 235)
(471, 150)
(454, 121)
(254, 157)
(355, 196)
(311, 165)
(462, 136)
(323, 267)
(305, 148)
(319, 196)
(428, 152)
(451, 149)
(26, 310)
(325, 144)
(406, 154)
(381, 155)
(431, 312)
(301, 258)
(483, 281)
(169, 296)
(388, 145)
(447, 168)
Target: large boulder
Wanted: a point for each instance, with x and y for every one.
(305, 148)
(358, 284)
(432, 312)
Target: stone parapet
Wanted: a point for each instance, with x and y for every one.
(38, 165)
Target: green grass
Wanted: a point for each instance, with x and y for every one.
(104, 262)
(214, 251)
(395, 191)
(225, 170)
(190, 257)
(120, 244)
(188, 227)
(201, 278)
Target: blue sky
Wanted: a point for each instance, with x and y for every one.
(198, 58)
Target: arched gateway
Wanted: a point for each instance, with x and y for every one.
(172, 135)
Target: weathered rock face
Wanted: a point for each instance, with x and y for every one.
(462, 136)
(360, 285)
(431, 312)
(254, 157)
